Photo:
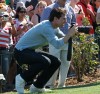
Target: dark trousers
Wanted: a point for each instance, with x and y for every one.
(39, 62)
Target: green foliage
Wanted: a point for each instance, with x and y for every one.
(84, 54)
(85, 21)
(97, 33)
(97, 30)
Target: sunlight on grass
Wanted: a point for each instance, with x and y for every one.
(85, 89)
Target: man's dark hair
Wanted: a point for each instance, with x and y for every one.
(57, 12)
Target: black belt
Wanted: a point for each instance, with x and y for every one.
(3, 48)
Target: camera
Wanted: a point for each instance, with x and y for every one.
(6, 18)
(27, 24)
(84, 29)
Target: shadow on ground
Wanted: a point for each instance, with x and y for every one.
(80, 86)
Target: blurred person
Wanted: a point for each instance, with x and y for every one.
(22, 25)
(40, 62)
(24, 1)
(11, 11)
(94, 5)
(98, 11)
(78, 12)
(30, 11)
(7, 30)
(2, 1)
(3, 6)
(61, 53)
(47, 1)
(37, 15)
(10, 3)
(92, 2)
(79, 15)
(7, 2)
(20, 4)
(15, 3)
(7, 8)
(31, 2)
(89, 12)
(39, 9)
(97, 2)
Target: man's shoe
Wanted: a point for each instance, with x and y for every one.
(33, 89)
(19, 84)
(49, 87)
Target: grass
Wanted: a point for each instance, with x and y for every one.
(93, 88)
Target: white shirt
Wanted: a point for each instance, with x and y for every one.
(98, 11)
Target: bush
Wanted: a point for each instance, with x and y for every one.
(84, 54)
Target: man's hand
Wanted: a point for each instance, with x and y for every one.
(72, 31)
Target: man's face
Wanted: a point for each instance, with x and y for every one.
(61, 21)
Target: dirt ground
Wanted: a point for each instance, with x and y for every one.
(86, 79)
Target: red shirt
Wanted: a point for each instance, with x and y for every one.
(86, 14)
(4, 37)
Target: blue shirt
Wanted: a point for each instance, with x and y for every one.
(40, 35)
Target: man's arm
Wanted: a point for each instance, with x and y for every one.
(54, 40)
(70, 33)
(59, 33)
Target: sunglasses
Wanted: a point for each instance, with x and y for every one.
(5, 15)
(22, 12)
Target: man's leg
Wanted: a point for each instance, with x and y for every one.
(47, 73)
(55, 52)
(37, 62)
(38, 85)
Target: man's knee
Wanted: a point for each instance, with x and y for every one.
(47, 61)
(56, 61)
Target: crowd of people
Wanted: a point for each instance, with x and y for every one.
(29, 26)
